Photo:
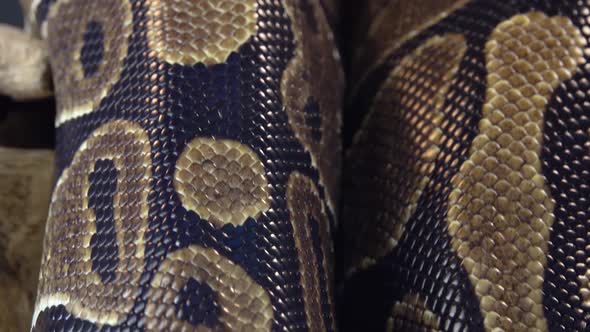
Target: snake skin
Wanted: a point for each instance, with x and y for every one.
(465, 182)
(198, 166)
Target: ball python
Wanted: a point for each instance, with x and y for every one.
(198, 166)
(197, 158)
(465, 181)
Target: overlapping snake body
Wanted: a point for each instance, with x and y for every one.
(195, 188)
(198, 159)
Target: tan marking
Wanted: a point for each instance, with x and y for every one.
(24, 65)
(245, 305)
(501, 211)
(315, 71)
(75, 94)
(224, 181)
(396, 148)
(66, 275)
(304, 203)
(207, 31)
(385, 27)
(411, 314)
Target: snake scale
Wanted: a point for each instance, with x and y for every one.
(317, 165)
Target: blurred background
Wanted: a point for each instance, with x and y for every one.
(24, 124)
(10, 12)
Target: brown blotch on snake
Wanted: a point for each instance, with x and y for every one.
(244, 305)
(311, 91)
(67, 276)
(500, 211)
(206, 31)
(80, 91)
(308, 213)
(223, 181)
(394, 152)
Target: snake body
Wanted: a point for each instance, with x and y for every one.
(470, 146)
(196, 148)
(198, 160)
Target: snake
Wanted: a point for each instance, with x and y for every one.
(307, 165)
(465, 185)
(196, 143)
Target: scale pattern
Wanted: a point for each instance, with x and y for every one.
(488, 231)
(500, 209)
(198, 166)
(223, 181)
(191, 190)
(403, 155)
(93, 52)
(215, 29)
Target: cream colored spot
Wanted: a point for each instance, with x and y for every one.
(411, 314)
(305, 207)
(67, 277)
(500, 211)
(244, 305)
(223, 181)
(395, 151)
(207, 31)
